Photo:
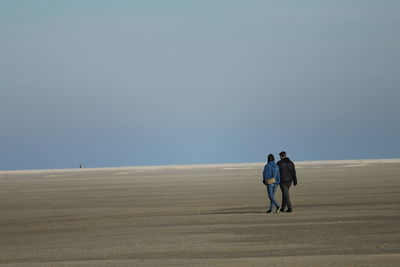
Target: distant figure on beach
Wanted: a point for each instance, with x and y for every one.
(288, 176)
(271, 179)
(80, 166)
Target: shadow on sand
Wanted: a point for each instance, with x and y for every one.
(242, 210)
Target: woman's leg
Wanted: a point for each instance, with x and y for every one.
(278, 209)
(271, 195)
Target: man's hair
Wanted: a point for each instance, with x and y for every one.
(282, 154)
(271, 157)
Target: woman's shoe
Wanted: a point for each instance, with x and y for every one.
(278, 209)
(268, 211)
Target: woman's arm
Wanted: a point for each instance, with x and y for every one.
(265, 173)
(278, 175)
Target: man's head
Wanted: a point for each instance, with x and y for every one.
(282, 154)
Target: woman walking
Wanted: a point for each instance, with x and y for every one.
(271, 178)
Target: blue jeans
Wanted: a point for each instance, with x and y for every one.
(271, 188)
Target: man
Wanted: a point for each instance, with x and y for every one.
(288, 176)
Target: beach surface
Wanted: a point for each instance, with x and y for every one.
(346, 213)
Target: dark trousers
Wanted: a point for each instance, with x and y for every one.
(285, 195)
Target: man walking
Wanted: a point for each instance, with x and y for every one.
(288, 176)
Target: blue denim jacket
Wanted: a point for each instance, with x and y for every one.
(271, 170)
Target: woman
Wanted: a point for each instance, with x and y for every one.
(271, 178)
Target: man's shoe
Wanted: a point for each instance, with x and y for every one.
(289, 210)
(268, 211)
(283, 209)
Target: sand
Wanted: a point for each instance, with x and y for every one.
(346, 213)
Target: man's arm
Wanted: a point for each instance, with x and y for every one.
(294, 174)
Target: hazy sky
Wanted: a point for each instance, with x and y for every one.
(117, 83)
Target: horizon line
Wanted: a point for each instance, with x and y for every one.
(183, 166)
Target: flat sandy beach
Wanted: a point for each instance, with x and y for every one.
(346, 213)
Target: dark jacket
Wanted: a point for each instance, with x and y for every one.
(287, 171)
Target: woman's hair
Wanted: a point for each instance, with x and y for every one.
(271, 157)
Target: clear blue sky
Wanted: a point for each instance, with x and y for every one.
(119, 83)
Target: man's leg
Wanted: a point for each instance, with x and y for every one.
(287, 197)
(284, 193)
